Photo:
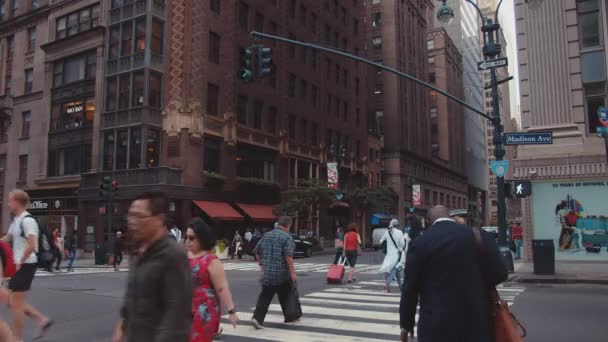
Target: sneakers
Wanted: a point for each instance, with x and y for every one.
(257, 325)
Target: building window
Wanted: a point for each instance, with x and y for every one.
(271, 120)
(108, 150)
(314, 94)
(135, 148)
(114, 42)
(127, 39)
(155, 88)
(213, 96)
(292, 48)
(69, 160)
(241, 110)
(74, 114)
(4, 127)
(595, 95)
(313, 22)
(328, 71)
(139, 82)
(291, 127)
(593, 67)
(590, 28)
(259, 22)
(158, 32)
(75, 69)
(345, 111)
(303, 90)
(14, 7)
(357, 84)
(345, 78)
(304, 131)
(76, 22)
(111, 93)
(31, 39)
(25, 124)
(22, 168)
(244, 15)
(357, 117)
(258, 107)
(314, 134)
(292, 85)
(29, 81)
(122, 149)
(313, 59)
(152, 147)
(292, 8)
(214, 47)
(356, 26)
(328, 104)
(212, 155)
(302, 16)
(214, 5)
(432, 77)
(337, 70)
(376, 20)
(124, 91)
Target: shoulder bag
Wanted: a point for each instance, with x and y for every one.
(396, 247)
(506, 326)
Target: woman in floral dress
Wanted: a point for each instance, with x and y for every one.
(210, 284)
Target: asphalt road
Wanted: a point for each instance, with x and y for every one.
(85, 307)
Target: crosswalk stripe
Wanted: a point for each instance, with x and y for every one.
(346, 303)
(334, 324)
(355, 297)
(273, 334)
(317, 310)
(368, 292)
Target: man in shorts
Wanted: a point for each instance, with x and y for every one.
(23, 233)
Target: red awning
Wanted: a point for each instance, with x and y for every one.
(258, 212)
(220, 211)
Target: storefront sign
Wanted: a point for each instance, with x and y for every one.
(74, 107)
(332, 175)
(38, 205)
(574, 215)
(416, 197)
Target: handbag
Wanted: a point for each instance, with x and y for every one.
(396, 247)
(293, 308)
(506, 325)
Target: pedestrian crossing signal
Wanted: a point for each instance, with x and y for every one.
(522, 189)
(246, 72)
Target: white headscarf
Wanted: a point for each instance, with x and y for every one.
(394, 223)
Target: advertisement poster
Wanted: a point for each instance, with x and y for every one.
(416, 197)
(574, 214)
(332, 175)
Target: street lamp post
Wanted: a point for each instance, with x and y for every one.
(492, 50)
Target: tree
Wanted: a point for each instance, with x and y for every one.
(376, 198)
(309, 193)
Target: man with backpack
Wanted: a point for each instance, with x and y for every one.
(24, 232)
(393, 261)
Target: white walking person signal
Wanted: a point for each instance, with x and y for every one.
(520, 189)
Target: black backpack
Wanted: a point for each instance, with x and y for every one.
(45, 253)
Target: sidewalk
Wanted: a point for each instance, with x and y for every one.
(565, 273)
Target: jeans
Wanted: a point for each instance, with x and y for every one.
(71, 258)
(394, 273)
(518, 245)
(266, 296)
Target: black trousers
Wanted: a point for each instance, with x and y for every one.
(266, 296)
(58, 257)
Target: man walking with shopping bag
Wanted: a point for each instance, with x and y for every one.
(275, 254)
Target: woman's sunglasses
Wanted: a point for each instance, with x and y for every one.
(190, 237)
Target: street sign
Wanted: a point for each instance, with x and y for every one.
(602, 114)
(492, 64)
(536, 138)
(523, 189)
(499, 167)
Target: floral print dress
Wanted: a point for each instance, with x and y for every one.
(205, 305)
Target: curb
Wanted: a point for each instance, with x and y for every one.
(562, 281)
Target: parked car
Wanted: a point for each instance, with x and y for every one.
(377, 234)
(303, 247)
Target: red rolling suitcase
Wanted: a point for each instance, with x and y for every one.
(335, 273)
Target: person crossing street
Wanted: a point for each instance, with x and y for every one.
(275, 252)
(393, 261)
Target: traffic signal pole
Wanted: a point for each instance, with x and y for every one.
(255, 34)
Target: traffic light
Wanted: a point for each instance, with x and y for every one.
(264, 62)
(246, 72)
(105, 187)
(114, 186)
(523, 189)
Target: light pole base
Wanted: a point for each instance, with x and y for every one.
(507, 258)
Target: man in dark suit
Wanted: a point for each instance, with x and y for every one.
(442, 269)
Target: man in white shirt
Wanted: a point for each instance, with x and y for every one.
(23, 232)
